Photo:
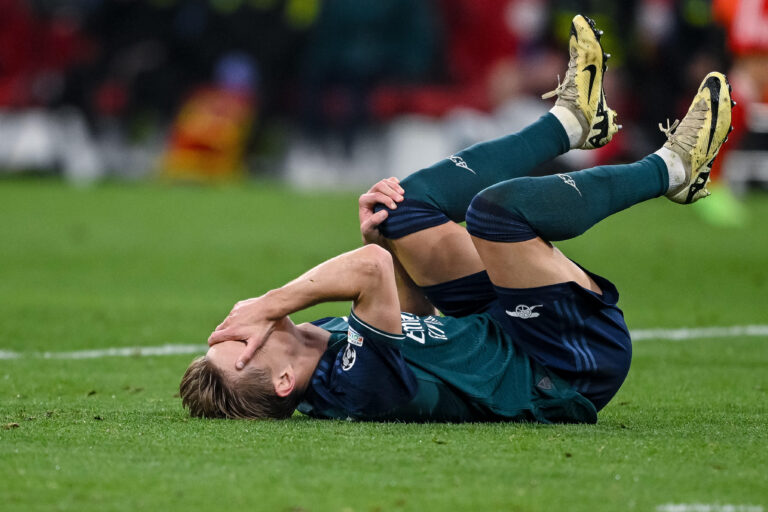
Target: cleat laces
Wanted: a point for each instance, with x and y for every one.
(566, 89)
(685, 134)
(669, 129)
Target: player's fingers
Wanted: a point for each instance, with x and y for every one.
(386, 199)
(371, 199)
(385, 180)
(231, 316)
(374, 220)
(367, 227)
(379, 217)
(388, 193)
(366, 201)
(392, 190)
(397, 184)
(251, 346)
(222, 335)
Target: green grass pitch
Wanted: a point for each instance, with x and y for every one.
(146, 265)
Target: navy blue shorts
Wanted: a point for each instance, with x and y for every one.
(578, 334)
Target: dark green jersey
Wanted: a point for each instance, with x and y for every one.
(439, 369)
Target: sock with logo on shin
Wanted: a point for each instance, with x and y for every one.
(442, 192)
(563, 206)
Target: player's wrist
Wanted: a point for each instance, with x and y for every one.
(275, 305)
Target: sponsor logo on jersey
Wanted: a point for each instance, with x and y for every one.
(354, 337)
(460, 163)
(569, 181)
(414, 328)
(348, 358)
(524, 312)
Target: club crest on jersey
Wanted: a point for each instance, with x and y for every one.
(524, 312)
(348, 358)
(354, 337)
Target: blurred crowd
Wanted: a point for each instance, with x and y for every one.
(339, 90)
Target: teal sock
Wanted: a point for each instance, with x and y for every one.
(563, 206)
(450, 184)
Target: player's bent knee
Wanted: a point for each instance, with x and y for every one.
(488, 220)
(375, 262)
(376, 255)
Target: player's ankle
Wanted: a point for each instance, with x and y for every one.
(675, 168)
(573, 122)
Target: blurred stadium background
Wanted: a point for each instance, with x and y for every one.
(341, 92)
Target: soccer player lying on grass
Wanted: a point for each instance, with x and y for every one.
(527, 334)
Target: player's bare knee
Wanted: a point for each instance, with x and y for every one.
(375, 262)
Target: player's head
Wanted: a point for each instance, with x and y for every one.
(268, 387)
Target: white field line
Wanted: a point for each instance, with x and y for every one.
(695, 333)
(707, 507)
(162, 350)
(682, 334)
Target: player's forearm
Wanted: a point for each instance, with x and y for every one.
(337, 279)
(363, 276)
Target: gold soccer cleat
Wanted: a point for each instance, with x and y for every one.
(581, 91)
(698, 137)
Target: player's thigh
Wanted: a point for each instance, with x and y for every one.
(529, 264)
(438, 254)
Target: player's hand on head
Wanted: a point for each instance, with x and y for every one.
(387, 192)
(254, 337)
(246, 322)
(241, 312)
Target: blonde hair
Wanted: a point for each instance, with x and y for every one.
(208, 393)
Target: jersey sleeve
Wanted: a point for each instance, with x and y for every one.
(363, 378)
(359, 332)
